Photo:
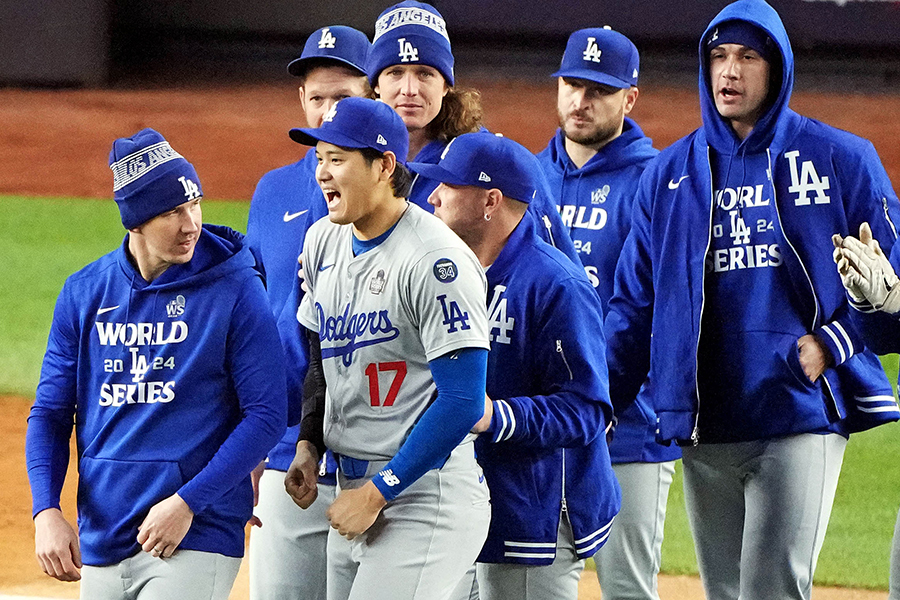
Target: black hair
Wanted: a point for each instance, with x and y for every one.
(401, 179)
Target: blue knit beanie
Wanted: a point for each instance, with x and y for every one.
(149, 177)
(410, 33)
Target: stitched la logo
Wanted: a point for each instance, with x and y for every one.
(408, 52)
(327, 40)
(592, 52)
(329, 116)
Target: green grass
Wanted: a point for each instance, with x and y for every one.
(44, 240)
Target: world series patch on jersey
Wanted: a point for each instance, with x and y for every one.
(381, 316)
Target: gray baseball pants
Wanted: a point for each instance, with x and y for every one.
(628, 564)
(287, 554)
(758, 513)
(186, 575)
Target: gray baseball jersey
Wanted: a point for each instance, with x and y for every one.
(381, 316)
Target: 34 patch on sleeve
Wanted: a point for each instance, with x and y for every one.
(445, 270)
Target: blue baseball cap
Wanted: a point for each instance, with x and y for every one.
(150, 177)
(742, 33)
(340, 43)
(412, 33)
(601, 55)
(487, 161)
(359, 123)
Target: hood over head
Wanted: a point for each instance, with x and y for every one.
(769, 128)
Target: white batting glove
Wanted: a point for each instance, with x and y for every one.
(866, 272)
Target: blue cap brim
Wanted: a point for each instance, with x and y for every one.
(311, 137)
(299, 66)
(438, 173)
(601, 78)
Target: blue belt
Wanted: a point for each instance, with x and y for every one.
(352, 468)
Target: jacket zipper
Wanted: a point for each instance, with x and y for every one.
(549, 227)
(812, 289)
(695, 434)
(559, 349)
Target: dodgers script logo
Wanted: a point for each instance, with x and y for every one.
(354, 329)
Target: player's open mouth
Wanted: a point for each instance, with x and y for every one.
(331, 197)
(729, 92)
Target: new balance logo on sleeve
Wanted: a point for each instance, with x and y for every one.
(389, 478)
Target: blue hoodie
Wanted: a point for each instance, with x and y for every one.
(176, 385)
(545, 452)
(286, 202)
(595, 205)
(820, 181)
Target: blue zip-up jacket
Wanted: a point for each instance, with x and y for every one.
(286, 202)
(175, 386)
(595, 205)
(545, 451)
(542, 206)
(821, 181)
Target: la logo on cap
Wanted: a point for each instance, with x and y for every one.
(592, 52)
(329, 116)
(408, 52)
(484, 177)
(327, 40)
(381, 140)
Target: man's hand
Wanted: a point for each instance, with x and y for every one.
(814, 356)
(302, 275)
(165, 526)
(56, 545)
(301, 480)
(865, 271)
(485, 421)
(255, 475)
(354, 511)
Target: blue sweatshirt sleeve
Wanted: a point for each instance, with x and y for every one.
(256, 363)
(629, 314)
(574, 406)
(296, 351)
(52, 415)
(460, 379)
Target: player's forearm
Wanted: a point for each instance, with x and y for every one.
(312, 423)
(562, 420)
(47, 455)
(458, 406)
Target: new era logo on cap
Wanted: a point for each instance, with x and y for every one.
(381, 140)
(484, 177)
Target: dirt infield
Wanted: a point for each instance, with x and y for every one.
(55, 143)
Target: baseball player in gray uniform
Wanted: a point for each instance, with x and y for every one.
(398, 323)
